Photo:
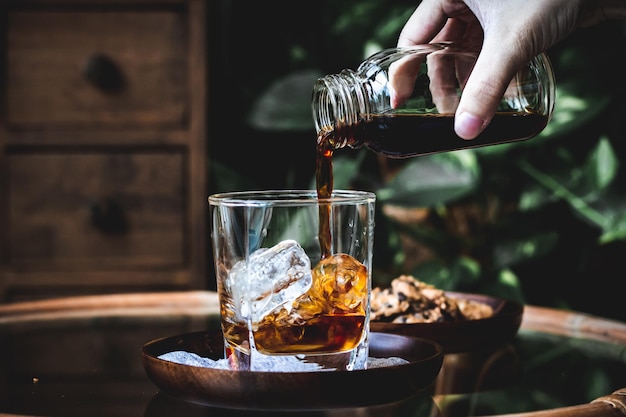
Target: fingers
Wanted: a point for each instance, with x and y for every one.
(437, 20)
(425, 22)
(402, 76)
(443, 82)
(449, 20)
(483, 91)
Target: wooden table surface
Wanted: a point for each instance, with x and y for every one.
(540, 319)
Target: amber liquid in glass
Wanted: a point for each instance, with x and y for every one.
(330, 317)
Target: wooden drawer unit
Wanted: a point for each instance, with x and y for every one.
(118, 68)
(103, 164)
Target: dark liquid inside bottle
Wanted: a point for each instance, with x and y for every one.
(404, 136)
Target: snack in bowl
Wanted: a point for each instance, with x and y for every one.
(409, 300)
(459, 322)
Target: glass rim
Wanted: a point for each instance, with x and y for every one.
(289, 198)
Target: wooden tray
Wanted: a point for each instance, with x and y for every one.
(292, 390)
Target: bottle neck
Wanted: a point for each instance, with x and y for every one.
(339, 102)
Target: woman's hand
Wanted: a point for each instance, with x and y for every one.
(512, 33)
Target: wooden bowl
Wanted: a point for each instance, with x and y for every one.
(292, 390)
(467, 335)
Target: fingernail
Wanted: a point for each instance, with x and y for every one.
(468, 126)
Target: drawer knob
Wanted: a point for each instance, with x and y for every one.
(108, 217)
(104, 74)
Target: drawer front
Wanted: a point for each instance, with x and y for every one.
(96, 211)
(97, 68)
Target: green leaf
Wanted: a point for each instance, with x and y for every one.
(564, 177)
(577, 202)
(617, 231)
(535, 196)
(461, 274)
(601, 165)
(613, 208)
(507, 285)
(432, 180)
(513, 251)
(286, 105)
(575, 106)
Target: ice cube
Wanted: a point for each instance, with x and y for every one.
(193, 359)
(273, 364)
(270, 278)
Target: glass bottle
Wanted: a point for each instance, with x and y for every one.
(400, 102)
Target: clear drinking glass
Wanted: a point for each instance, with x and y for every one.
(294, 278)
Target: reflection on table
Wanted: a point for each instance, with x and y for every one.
(82, 357)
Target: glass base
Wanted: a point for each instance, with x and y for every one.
(253, 360)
